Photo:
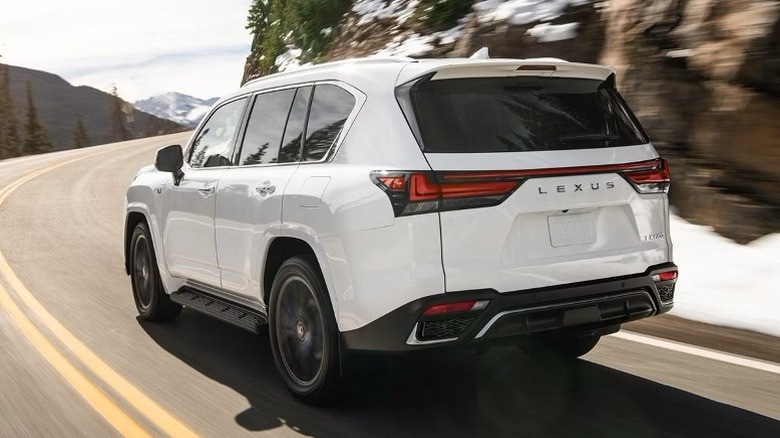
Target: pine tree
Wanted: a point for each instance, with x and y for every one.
(9, 136)
(35, 140)
(80, 137)
(116, 115)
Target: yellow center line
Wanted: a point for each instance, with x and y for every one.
(161, 418)
(96, 398)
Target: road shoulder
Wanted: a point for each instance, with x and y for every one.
(725, 339)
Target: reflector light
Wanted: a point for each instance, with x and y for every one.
(665, 276)
(459, 306)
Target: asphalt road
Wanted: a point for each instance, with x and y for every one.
(93, 369)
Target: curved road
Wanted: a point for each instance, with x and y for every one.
(75, 361)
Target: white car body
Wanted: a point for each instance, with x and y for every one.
(214, 230)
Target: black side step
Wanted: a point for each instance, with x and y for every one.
(226, 311)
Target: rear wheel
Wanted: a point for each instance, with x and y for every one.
(303, 332)
(152, 302)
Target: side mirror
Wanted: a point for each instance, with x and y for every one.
(170, 159)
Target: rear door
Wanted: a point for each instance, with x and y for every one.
(249, 199)
(541, 179)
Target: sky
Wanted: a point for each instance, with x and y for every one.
(144, 47)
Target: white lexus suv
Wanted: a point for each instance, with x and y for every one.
(396, 205)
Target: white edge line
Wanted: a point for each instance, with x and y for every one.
(699, 351)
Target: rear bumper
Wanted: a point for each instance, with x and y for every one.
(595, 306)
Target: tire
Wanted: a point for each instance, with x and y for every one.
(575, 346)
(303, 332)
(151, 301)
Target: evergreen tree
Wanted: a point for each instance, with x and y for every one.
(80, 137)
(9, 136)
(35, 140)
(116, 116)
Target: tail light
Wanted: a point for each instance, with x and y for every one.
(424, 192)
(652, 178)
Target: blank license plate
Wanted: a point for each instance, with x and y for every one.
(572, 229)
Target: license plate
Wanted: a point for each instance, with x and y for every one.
(572, 229)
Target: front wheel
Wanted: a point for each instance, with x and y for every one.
(303, 332)
(151, 301)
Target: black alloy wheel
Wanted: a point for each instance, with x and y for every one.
(303, 332)
(151, 301)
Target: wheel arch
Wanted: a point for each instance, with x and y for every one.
(132, 220)
(280, 249)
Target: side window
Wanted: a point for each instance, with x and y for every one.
(266, 127)
(330, 108)
(291, 145)
(214, 143)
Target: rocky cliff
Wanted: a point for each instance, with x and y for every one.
(702, 75)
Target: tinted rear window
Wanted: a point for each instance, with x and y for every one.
(521, 114)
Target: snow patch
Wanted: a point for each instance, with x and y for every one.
(679, 53)
(412, 45)
(370, 10)
(724, 283)
(547, 33)
(289, 60)
(523, 11)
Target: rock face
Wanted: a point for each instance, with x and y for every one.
(702, 75)
(704, 78)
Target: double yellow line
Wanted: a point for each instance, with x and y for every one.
(102, 403)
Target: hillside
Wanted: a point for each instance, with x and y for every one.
(702, 75)
(60, 105)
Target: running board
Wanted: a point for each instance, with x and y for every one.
(239, 316)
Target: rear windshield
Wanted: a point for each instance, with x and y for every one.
(521, 114)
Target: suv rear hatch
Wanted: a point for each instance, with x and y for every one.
(541, 174)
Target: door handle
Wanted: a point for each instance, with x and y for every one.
(206, 190)
(265, 189)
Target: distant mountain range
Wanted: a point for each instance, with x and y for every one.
(60, 105)
(180, 108)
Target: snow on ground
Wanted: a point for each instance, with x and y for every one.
(725, 283)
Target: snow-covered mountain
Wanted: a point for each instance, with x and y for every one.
(180, 108)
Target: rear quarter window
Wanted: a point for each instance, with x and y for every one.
(330, 108)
